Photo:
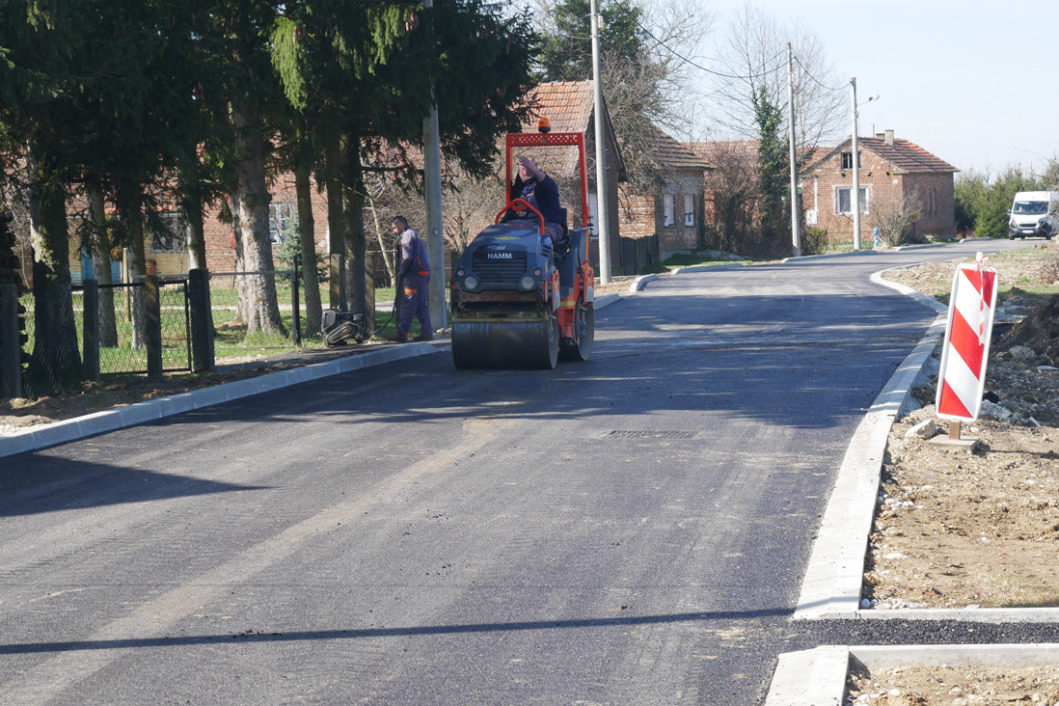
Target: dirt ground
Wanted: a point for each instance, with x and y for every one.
(956, 528)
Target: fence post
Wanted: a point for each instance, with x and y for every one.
(201, 320)
(10, 343)
(90, 330)
(153, 307)
(296, 322)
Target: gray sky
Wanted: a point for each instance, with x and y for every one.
(971, 81)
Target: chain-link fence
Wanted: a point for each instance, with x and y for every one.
(121, 348)
(119, 340)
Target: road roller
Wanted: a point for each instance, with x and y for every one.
(518, 300)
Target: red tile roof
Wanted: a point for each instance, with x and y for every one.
(569, 107)
(709, 151)
(676, 155)
(906, 157)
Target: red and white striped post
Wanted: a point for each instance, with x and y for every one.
(965, 354)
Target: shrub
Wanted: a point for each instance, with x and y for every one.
(815, 241)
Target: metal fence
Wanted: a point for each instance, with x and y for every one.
(121, 350)
(119, 329)
(162, 324)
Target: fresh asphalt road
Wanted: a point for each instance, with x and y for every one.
(631, 530)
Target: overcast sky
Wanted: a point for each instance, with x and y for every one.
(972, 81)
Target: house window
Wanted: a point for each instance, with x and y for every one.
(847, 160)
(669, 217)
(689, 210)
(843, 199)
(170, 234)
(280, 222)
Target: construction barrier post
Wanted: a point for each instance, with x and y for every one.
(965, 350)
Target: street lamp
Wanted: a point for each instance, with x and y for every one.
(855, 162)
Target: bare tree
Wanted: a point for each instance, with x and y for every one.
(893, 213)
(731, 188)
(754, 58)
(469, 205)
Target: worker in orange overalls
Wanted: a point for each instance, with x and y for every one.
(413, 273)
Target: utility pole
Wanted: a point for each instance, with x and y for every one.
(854, 196)
(601, 167)
(796, 237)
(432, 187)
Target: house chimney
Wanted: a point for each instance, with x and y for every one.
(888, 138)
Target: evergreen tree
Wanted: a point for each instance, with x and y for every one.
(44, 51)
(362, 74)
(633, 76)
(566, 54)
(773, 168)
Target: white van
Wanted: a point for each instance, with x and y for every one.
(1033, 213)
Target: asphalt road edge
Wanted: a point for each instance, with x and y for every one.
(67, 430)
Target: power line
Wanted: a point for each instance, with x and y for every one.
(703, 68)
(816, 80)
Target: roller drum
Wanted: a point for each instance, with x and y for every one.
(506, 344)
(580, 346)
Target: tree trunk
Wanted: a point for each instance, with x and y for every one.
(362, 276)
(307, 240)
(257, 293)
(56, 360)
(129, 200)
(241, 315)
(101, 259)
(196, 229)
(336, 223)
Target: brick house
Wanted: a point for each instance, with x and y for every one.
(673, 211)
(167, 253)
(890, 169)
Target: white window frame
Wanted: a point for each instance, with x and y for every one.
(865, 199)
(668, 211)
(689, 210)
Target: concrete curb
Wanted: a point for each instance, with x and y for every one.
(639, 283)
(832, 583)
(818, 676)
(642, 281)
(828, 256)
